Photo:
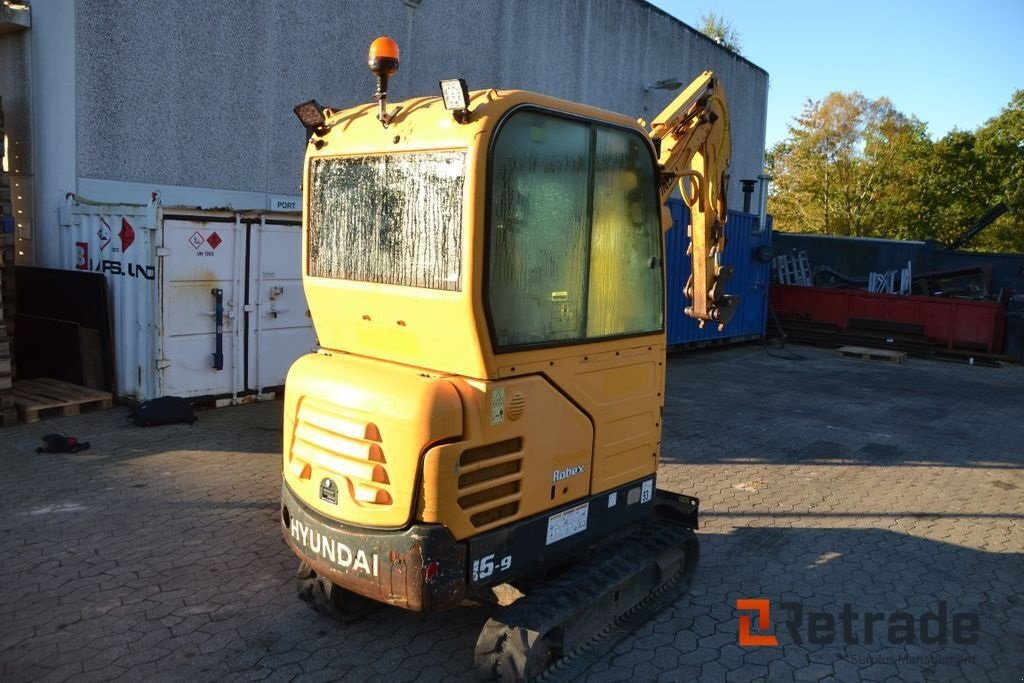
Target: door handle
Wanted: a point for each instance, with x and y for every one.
(229, 314)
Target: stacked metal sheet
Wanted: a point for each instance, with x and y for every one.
(793, 269)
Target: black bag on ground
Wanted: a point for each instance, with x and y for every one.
(165, 410)
(55, 443)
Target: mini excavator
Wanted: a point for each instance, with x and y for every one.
(485, 274)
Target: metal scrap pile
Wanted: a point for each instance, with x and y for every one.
(963, 283)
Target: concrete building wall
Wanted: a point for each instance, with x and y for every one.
(194, 98)
(196, 93)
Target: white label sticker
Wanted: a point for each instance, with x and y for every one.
(613, 498)
(647, 490)
(284, 203)
(567, 523)
(498, 406)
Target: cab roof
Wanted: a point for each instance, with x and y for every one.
(424, 123)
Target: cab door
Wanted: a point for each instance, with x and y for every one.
(574, 287)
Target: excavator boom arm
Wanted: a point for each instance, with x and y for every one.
(692, 139)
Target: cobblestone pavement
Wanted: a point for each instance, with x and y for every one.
(892, 488)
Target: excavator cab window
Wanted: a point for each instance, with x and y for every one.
(574, 243)
(391, 219)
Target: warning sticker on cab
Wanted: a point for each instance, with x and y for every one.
(498, 406)
(567, 523)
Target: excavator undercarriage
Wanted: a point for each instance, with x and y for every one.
(558, 619)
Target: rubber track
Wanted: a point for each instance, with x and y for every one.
(558, 601)
(574, 665)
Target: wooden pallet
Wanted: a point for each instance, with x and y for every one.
(33, 396)
(865, 353)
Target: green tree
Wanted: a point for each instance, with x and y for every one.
(847, 169)
(958, 185)
(719, 29)
(1000, 146)
(858, 167)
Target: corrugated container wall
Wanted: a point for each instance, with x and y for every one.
(121, 242)
(749, 281)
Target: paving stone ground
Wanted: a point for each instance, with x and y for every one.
(823, 482)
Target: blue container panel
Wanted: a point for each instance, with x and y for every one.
(749, 280)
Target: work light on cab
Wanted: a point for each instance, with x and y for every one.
(311, 114)
(456, 98)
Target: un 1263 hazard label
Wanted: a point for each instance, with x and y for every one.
(567, 523)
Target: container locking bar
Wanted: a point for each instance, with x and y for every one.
(218, 317)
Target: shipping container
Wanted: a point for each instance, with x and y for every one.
(745, 249)
(210, 303)
(204, 303)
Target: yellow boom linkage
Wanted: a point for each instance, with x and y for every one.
(692, 138)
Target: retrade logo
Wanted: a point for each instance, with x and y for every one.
(853, 628)
(762, 623)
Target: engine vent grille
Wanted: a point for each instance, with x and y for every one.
(347, 447)
(490, 481)
(516, 406)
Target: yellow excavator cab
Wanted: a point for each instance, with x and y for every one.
(485, 273)
(397, 246)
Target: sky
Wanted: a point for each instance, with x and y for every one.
(950, 64)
